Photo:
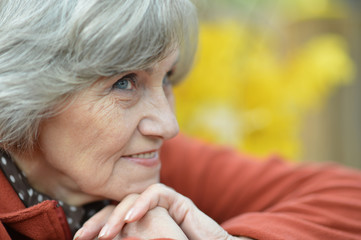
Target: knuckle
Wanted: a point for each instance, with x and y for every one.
(159, 187)
(156, 187)
(187, 201)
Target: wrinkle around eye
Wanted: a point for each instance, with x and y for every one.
(124, 99)
(119, 98)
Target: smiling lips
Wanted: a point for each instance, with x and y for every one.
(148, 159)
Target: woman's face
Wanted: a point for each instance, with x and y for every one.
(106, 143)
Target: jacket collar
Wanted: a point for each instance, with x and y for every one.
(42, 221)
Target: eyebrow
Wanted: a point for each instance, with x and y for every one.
(150, 70)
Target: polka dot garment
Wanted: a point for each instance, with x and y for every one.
(76, 216)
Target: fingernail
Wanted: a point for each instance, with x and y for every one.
(78, 234)
(103, 232)
(128, 216)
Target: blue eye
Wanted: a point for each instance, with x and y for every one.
(166, 81)
(125, 83)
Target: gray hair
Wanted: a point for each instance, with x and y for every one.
(52, 49)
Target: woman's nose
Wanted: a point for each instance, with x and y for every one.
(158, 117)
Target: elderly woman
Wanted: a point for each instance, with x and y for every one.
(86, 105)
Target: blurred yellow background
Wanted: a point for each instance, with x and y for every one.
(271, 77)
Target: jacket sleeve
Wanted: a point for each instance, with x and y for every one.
(3, 233)
(267, 199)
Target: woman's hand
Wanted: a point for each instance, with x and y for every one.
(194, 223)
(156, 223)
(92, 227)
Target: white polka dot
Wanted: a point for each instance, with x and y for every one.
(70, 220)
(73, 208)
(40, 198)
(12, 178)
(3, 161)
(30, 192)
(61, 203)
(21, 196)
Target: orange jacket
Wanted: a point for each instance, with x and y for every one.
(259, 199)
(266, 200)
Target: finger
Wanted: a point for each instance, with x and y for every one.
(91, 228)
(159, 195)
(115, 221)
(195, 224)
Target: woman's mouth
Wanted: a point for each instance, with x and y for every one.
(145, 155)
(148, 159)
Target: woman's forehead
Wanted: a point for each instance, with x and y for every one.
(168, 62)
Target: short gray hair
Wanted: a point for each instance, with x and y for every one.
(51, 49)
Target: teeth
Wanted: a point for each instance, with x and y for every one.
(144, 155)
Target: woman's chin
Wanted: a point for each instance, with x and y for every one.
(135, 188)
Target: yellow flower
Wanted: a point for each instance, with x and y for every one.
(241, 92)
